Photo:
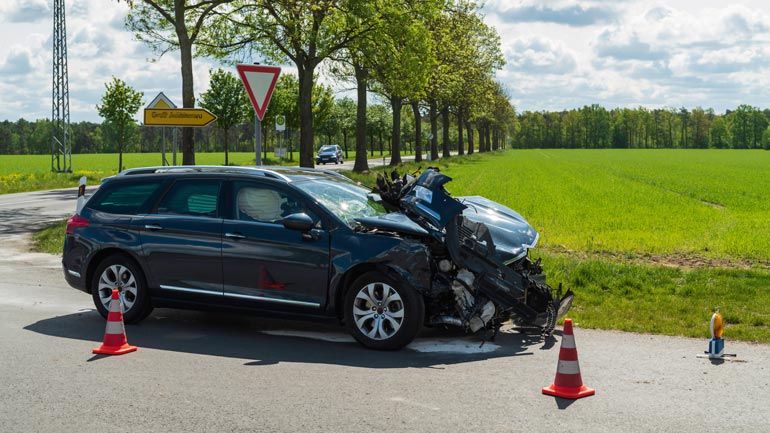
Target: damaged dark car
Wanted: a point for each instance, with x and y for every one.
(310, 244)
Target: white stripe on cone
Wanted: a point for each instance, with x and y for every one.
(115, 306)
(568, 367)
(114, 328)
(568, 341)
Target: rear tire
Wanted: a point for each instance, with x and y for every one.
(383, 313)
(123, 273)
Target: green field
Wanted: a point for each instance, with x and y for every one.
(19, 173)
(650, 240)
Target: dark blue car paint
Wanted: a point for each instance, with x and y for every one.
(315, 273)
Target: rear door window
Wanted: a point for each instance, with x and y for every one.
(198, 198)
(126, 198)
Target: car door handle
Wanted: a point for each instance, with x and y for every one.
(235, 235)
(153, 227)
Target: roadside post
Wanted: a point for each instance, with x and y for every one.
(280, 126)
(259, 81)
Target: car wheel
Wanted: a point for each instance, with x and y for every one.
(382, 313)
(122, 273)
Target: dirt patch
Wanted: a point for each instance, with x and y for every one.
(683, 261)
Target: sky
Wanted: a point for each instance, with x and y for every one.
(560, 55)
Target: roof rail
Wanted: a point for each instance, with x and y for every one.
(205, 169)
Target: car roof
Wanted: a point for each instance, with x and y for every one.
(286, 174)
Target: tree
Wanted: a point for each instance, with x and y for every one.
(174, 24)
(304, 32)
(119, 106)
(226, 99)
(401, 59)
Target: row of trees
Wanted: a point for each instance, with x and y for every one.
(336, 125)
(435, 56)
(593, 126)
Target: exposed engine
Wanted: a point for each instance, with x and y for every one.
(483, 276)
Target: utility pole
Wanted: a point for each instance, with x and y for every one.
(61, 146)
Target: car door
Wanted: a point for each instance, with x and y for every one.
(182, 240)
(266, 265)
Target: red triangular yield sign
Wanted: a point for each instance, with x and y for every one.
(259, 81)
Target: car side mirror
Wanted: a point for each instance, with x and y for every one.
(298, 221)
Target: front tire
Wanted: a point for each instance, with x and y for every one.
(122, 273)
(383, 313)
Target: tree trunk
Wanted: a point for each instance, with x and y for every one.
(227, 159)
(306, 114)
(395, 139)
(445, 128)
(469, 131)
(120, 150)
(460, 144)
(417, 131)
(361, 164)
(345, 142)
(188, 93)
(433, 131)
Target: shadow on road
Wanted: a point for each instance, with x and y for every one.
(17, 217)
(247, 338)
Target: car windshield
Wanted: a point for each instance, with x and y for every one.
(328, 149)
(345, 199)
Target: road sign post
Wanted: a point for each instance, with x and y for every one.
(259, 81)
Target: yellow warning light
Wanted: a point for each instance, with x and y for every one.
(717, 325)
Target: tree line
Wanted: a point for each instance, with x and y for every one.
(437, 57)
(594, 126)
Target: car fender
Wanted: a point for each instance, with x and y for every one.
(407, 260)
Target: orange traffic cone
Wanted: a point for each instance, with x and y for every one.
(568, 382)
(115, 335)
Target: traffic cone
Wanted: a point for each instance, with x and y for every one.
(568, 382)
(115, 335)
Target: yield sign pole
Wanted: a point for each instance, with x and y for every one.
(259, 81)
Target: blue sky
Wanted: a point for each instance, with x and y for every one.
(559, 55)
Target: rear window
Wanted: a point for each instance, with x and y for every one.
(126, 198)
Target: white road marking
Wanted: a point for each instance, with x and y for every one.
(414, 403)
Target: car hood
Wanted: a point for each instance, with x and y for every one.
(511, 233)
(393, 222)
(426, 200)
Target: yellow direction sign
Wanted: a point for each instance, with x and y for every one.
(177, 117)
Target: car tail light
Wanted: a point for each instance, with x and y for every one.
(74, 222)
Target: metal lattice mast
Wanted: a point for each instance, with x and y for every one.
(61, 148)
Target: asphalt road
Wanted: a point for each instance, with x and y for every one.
(210, 372)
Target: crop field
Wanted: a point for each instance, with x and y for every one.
(650, 240)
(682, 205)
(33, 172)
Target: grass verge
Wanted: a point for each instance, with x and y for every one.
(50, 239)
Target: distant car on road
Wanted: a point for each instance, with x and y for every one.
(329, 153)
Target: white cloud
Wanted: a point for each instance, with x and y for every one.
(539, 56)
(560, 54)
(25, 11)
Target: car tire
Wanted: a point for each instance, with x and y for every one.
(383, 313)
(123, 273)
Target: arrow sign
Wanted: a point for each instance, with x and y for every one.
(259, 81)
(178, 117)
